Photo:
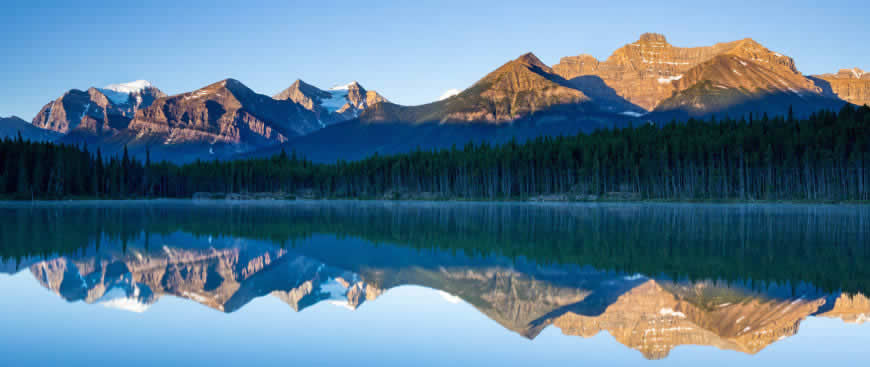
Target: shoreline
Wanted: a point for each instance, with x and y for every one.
(446, 201)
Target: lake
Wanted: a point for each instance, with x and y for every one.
(334, 283)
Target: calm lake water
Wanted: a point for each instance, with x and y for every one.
(429, 284)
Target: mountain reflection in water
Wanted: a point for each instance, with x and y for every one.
(654, 277)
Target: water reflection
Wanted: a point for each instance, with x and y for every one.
(653, 276)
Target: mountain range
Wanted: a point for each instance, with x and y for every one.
(648, 80)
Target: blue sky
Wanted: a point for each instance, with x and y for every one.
(409, 51)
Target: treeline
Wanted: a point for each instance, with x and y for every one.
(32, 170)
(823, 157)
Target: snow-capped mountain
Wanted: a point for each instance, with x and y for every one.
(97, 110)
(339, 103)
(120, 93)
(340, 98)
(132, 96)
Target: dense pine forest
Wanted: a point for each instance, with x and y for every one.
(824, 157)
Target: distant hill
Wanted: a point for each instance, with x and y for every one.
(10, 127)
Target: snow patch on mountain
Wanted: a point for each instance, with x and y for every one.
(449, 297)
(85, 111)
(120, 93)
(449, 93)
(631, 113)
(336, 100)
(126, 304)
(669, 79)
(344, 87)
(335, 289)
(130, 87)
(633, 276)
(671, 312)
(338, 97)
(124, 297)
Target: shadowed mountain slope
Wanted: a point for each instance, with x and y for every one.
(11, 126)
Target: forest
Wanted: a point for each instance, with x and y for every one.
(823, 157)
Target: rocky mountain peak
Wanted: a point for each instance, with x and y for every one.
(851, 85)
(339, 103)
(130, 87)
(89, 111)
(522, 70)
(751, 50)
(354, 85)
(127, 98)
(236, 87)
(222, 90)
(652, 38)
(748, 41)
(853, 73)
(302, 93)
(301, 84)
(531, 60)
(98, 97)
(572, 66)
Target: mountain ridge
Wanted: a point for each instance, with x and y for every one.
(648, 80)
(653, 76)
(516, 89)
(12, 126)
(217, 120)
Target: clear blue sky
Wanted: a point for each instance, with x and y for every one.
(410, 51)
